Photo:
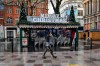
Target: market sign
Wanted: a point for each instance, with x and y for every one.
(48, 18)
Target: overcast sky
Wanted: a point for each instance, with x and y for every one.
(50, 6)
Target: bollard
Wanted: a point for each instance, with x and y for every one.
(89, 40)
(91, 43)
(12, 45)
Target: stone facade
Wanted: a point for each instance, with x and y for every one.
(12, 13)
(92, 18)
(92, 14)
(78, 10)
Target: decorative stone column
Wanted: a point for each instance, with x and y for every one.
(95, 6)
(98, 7)
(92, 6)
(84, 9)
(88, 7)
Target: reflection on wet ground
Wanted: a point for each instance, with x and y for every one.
(64, 58)
(81, 46)
(85, 56)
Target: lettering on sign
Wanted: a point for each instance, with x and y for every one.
(49, 18)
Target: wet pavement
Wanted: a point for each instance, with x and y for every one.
(85, 56)
(64, 58)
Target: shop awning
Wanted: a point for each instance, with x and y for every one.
(47, 26)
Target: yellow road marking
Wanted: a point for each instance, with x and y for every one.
(72, 65)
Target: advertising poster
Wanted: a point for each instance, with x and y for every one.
(24, 42)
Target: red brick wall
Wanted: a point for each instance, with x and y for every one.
(1, 13)
(13, 15)
(1, 21)
(41, 6)
(1, 17)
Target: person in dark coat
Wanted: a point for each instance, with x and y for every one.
(84, 36)
(48, 46)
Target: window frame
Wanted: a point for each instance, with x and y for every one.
(9, 20)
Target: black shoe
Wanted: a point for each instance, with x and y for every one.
(54, 56)
(71, 49)
(44, 57)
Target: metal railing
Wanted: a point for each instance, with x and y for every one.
(9, 44)
(13, 44)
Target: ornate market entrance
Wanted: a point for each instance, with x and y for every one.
(34, 31)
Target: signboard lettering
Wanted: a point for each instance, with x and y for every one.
(49, 18)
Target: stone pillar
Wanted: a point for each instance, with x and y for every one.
(90, 6)
(5, 32)
(98, 5)
(95, 6)
(85, 9)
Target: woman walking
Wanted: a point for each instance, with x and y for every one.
(48, 46)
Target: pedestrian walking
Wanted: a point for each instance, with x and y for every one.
(84, 36)
(48, 46)
(68, 36)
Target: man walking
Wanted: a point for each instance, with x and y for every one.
(48, 46)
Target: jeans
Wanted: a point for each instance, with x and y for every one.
(48, 48)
